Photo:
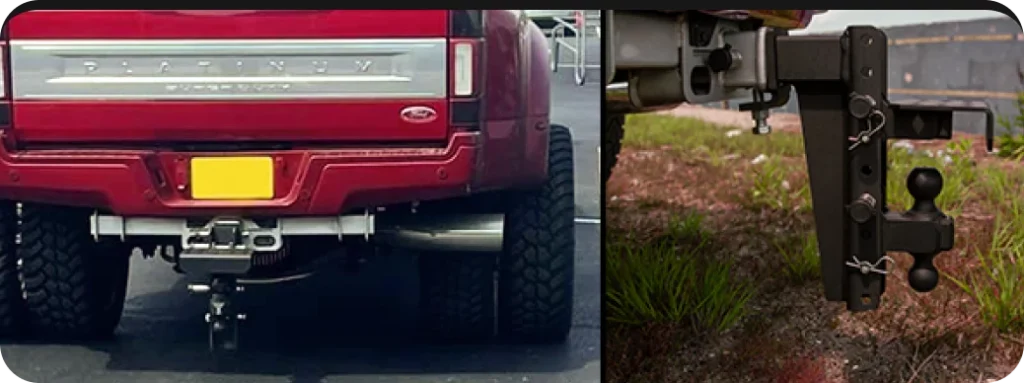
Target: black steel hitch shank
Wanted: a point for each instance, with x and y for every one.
(222, 315)
(221, 256)
(841, 84)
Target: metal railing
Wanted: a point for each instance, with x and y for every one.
(585, 21)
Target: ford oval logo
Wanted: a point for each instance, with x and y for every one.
(418, 114)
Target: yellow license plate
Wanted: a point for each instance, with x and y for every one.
(232, 178)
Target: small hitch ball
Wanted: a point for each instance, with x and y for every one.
(925, 185)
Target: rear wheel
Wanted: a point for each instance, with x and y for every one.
(611, 144)
(537, 267)
(12, 306)
(457, 296)
(74, 286)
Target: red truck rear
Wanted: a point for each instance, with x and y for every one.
(245, 144)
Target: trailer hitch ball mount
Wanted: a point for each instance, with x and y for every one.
(841, 82)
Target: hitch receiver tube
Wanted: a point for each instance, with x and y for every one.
(456, 232)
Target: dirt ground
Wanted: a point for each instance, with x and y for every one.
(791, 333)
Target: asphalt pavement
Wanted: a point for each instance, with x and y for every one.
(338, 327)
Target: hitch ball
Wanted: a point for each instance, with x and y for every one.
(924, 184)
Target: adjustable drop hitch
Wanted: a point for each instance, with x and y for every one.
(841, 84)
(221, 250)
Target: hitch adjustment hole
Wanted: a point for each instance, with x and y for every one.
(866, 235)
(867, 72)
(700, 80)
(866, 170)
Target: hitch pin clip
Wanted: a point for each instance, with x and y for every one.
(866, 267)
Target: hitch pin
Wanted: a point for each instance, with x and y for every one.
(760, 114)
(866, 267)
(864, 136)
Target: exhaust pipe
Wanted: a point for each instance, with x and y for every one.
(466, 232)
(645, 91)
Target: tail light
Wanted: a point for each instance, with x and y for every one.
(462, 70)
(5, 85)
(465, 68)
(6, 122)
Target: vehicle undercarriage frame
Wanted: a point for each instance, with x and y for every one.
(226, 249)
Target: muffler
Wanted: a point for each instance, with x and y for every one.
(462, 232)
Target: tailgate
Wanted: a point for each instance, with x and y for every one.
(185, 76)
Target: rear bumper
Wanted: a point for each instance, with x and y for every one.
(307, 182)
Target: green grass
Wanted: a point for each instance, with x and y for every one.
(652, 131)
(1011, 141)
(800, 258)
(772, 188)
(667, 281)
(997, 284)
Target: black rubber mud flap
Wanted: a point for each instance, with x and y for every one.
(537, 268)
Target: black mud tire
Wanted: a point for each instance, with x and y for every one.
(536, 270)
(12, 307)
(611, 143)
(74, 287)
(457, 297)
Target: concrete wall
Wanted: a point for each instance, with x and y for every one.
(971, 61)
